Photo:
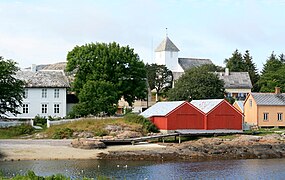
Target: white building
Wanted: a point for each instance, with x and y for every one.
(44, 94)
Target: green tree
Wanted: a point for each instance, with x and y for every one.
(113, 66)
(11, 89)
(159, 78)
(250, 67)
(236, 62)
(197, 83)
(273, 74)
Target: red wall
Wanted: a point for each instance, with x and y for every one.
(184, 117)
(224, 117)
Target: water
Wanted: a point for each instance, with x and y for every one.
(229, 169)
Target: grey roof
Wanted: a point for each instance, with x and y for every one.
(188, 63)
(166, 45)
(43, 78)
(269, 99)
(206, 105)
(161, 108)
(235, 80)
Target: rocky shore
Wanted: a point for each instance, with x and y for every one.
(232, 147)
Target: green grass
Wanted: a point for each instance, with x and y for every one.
(16, 131)
(97, 126)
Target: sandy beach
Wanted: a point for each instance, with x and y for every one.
(47, 149)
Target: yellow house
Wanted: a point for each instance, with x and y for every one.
(265, 109)
(239, 105)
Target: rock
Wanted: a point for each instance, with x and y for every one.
(41, 136)
(129, 134)
(113, 128)
(87, 144)
(83, 134)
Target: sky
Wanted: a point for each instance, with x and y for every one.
(44, 31)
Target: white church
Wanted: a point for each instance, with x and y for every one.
(167, 54)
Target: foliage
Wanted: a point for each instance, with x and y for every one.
(159, 78)
(101, 132)
(108, 65)
(63, 133)
(243, 63)
(197, 83)
(40, 121)
(273, 74)
(97, 97)
(148, 126)
(16, 131)
(11, 88)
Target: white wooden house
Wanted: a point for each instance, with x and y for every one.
(44, 95)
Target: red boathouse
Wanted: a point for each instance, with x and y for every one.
(197, 115)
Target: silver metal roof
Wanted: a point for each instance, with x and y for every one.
(235, 80)
(166, 45)
(43, 78)
(188, 63)
(161, 108)
(269, 99)
(206, 105)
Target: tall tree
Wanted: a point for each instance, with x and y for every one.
(11, 89)
(250, 67)
(197, 83)
(159, 78)
(236, 62)
(273, 74)
(118, 67)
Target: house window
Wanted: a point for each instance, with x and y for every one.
(56, 93)
(56, 108)
(44, 93)
(229, 94)
(44, 108)
(25, 108)
(279, 116)
(26, 93)
(171, 54)
(265, 116)
(250, 103)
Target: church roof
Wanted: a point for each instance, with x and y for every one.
(166, 45)
(188, 63)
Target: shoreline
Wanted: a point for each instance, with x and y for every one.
(204, 149)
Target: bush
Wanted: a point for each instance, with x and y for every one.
(148, 126)
(40, 121)
(63, 133)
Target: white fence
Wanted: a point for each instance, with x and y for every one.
(5, 124)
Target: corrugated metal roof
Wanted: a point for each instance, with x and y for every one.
(43, 78)
(188, 63)
(235, 79)
(161, 108)
(166, 45)
(206, 105)
(269, 99)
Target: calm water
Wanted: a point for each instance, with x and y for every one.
(230, 169)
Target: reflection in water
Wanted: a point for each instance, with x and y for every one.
(230, 169)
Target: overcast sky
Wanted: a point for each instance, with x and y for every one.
(43, 31)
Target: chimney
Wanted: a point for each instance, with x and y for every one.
(34, 68)
(277, 90)
(227, 72)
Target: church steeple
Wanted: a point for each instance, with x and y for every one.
(166, 45)
(167, 54)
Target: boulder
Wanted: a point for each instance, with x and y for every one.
(87, 144)
(129, 134)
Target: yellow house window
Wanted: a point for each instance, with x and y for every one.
(265, 116)
(250, 103)
(279, 116)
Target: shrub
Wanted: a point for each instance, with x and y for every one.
(23, 129)
(148, 126)
(63, 133)
(40, 121)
